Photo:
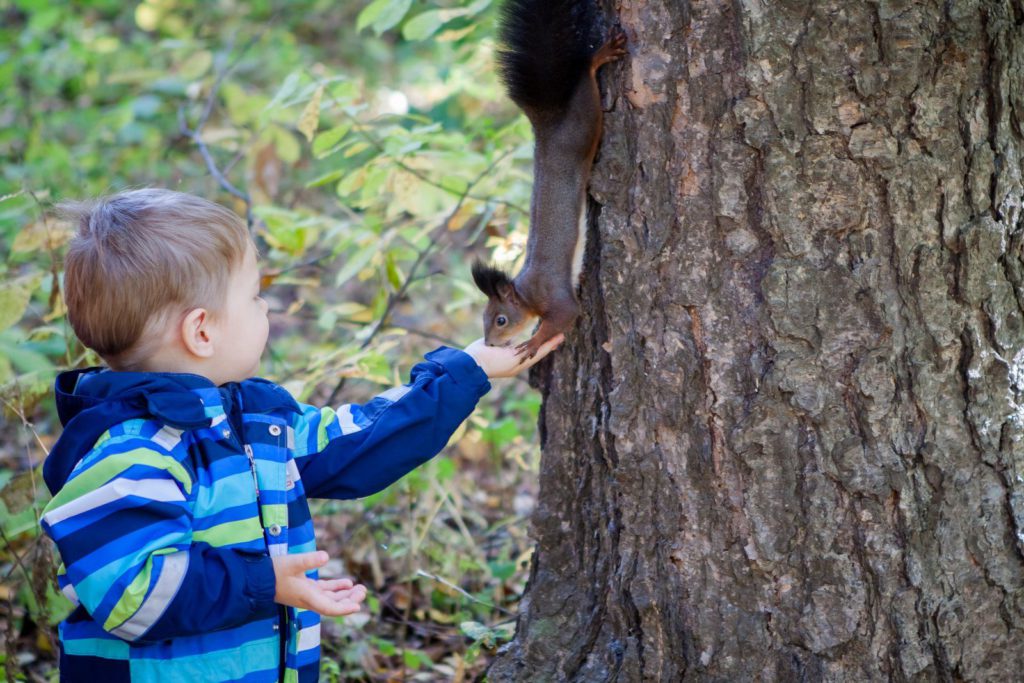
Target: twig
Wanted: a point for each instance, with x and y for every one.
(28, 452)
(17, 559)
(195, 134)
(461, 591)
(423, 333)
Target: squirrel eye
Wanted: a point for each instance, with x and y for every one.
(501, 321)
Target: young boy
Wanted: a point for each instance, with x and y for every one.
(180, 482)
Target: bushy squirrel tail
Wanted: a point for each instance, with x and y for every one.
(546, 50)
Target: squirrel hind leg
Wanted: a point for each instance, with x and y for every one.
(614, 48)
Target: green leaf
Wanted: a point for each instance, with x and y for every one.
(427, 23)
(444, 469)
(355, 263)
(325, 142)
(394, 274)
(424, 25)
(503, 571)
(14, 298)
(382, 14)
(288, 148)
(414, 659)
(503, 432)
(478, 632)
(326, 178)
(196, 65)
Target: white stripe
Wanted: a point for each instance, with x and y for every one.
(291, 475)
(69, 593)
(345, 420)
(278, 549)
(394, 394)
(291, 438)
(162, 490)
(309, 638)
(217, 420)
(168, 437)
(171, 576)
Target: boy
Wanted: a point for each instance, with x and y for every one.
(180, 483)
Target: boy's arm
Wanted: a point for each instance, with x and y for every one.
(357, 450)
(123, 526)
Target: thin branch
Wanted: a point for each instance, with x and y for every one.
(195, 134)
(211, 165)
(461, 591)
(17, 559)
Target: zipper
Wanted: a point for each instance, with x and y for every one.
(255, 479)
(282, 612)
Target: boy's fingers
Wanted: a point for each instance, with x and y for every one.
(357, 594)
(319, 602)
(306, 561)
(335, 584)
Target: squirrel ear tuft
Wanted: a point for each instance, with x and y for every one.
(491, 281)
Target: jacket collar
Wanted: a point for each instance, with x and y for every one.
(92, 400)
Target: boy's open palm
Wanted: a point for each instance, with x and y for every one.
(330, 597)
(504, 361)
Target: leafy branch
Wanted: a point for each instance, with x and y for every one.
(433, 242)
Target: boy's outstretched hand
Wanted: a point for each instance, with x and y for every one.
(503, 361)
(331, 597)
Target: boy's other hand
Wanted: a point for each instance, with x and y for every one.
(503, 361)
(333, 597)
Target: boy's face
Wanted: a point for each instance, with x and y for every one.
(242, 327)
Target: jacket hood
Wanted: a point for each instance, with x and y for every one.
(90, 401)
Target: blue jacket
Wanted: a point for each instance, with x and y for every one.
(170, 495)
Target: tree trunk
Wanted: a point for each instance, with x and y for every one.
(784, 441)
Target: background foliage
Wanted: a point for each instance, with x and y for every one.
(375, 155)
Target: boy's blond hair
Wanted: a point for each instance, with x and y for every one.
(140, 257)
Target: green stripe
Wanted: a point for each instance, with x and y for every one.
(108, 468)
(131, 599)
(230, 533)
(326, 418)
(275, 514)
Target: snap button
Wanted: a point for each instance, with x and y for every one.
(275, 430)
(226, 433)
(275, 529)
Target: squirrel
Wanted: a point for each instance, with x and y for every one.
(549, 69)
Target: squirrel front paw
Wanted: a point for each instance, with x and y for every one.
(529, 348)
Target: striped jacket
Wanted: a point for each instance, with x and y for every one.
(170, 495)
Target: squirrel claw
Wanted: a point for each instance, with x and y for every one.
(613, 48)
(527, 350)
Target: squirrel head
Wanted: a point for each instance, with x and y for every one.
(505, 316)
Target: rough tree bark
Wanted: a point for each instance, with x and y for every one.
(785, 441)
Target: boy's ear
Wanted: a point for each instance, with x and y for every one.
(195, 333)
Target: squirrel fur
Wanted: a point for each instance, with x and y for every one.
(548, 63)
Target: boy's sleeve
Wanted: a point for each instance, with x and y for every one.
(357, 450)
(123, 526)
